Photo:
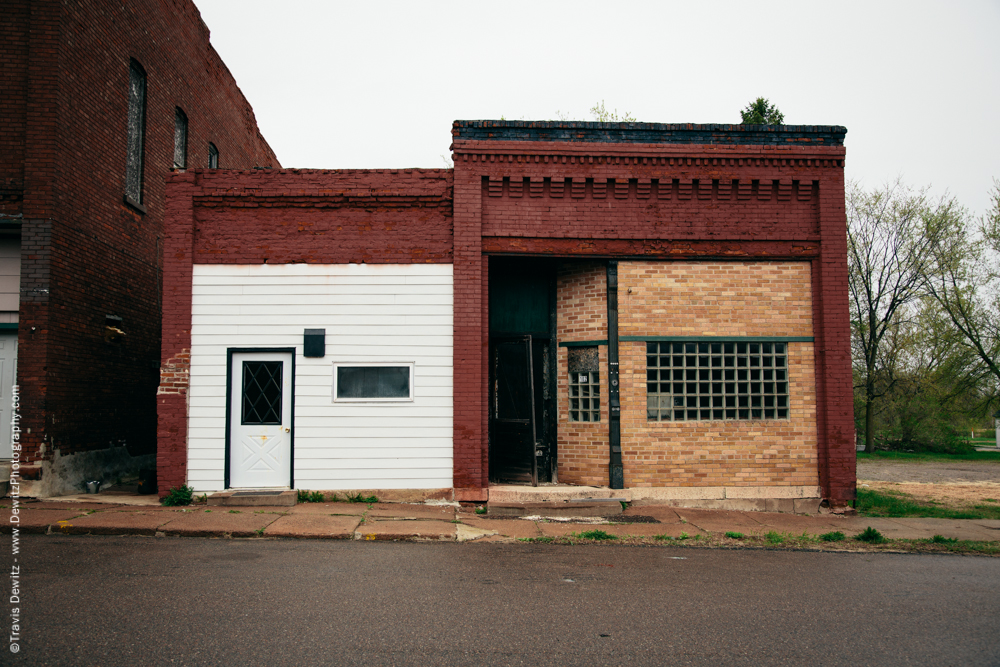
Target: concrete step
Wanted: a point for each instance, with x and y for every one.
(589, 507)
(250, 498)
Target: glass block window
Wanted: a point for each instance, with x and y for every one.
(696, 381)
(136, 132)
(584, 384)
(261, 392)
(372, 382)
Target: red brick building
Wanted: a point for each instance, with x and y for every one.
(659, 310)
(101, 101)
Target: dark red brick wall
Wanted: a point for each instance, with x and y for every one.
(15, 18)
(86, 254)
(325, 217)
(669, 201)
(283, 217)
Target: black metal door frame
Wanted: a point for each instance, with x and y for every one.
(495, 419)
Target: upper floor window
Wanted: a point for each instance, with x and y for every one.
(136, 132)
(180, 139)
(213, 156)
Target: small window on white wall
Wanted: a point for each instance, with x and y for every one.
(372, 382)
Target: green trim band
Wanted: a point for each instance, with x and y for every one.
(583, 343)
(717, 339)
(8, 326)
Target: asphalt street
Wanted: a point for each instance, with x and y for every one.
(165, 601)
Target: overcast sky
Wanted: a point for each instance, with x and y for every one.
(367, 84)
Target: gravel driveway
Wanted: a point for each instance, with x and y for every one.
(930, 472)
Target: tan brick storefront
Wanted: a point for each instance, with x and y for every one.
(714, 300)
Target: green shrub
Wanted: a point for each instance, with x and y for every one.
(178, 496)
(871, 536)
(596, 535)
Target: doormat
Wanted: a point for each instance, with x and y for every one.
(258, 493)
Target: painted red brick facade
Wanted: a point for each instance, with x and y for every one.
(575, 191)
(86, 254)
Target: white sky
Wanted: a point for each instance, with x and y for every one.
(368, 84)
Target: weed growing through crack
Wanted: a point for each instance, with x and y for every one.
(595, 535)
(662, 537)
(732, 534)
(544, 540)
(235, 512)
(358, 498)
(683, 536)
(871, 536)
(774, 537)
(835, 536)
(481, 509)
(941, 539)
(178, 496)
(260, 532)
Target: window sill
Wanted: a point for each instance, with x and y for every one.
(134, 204)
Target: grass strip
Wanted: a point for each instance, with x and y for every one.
(896, 504)
(928, 456)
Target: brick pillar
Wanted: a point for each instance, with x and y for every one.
(835, 391)
(37, 230)
(470, 345)
(172, 395)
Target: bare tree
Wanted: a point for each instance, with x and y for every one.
(964, 278)
(887, 262)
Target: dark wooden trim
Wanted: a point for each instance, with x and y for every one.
(582, 343)
(717, 339)
(615, 471)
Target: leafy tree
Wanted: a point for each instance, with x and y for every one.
(887, 262)
(964, 278)
(762, 112)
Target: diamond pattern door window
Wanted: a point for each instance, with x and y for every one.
(261, 393)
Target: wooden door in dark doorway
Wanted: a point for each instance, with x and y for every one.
(512, 412)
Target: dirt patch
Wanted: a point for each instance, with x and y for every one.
(952, 495)
(951, 483)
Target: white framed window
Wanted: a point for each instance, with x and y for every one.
(372, 382)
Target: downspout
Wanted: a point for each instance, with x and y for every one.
(616, 474)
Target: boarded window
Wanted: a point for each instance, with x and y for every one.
(373, 383)
(180, 139)
(136, 132)
(213, 156)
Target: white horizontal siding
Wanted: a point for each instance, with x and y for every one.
(371, 313)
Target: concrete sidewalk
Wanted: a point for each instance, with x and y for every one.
(441, 521)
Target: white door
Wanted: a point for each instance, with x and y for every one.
(260, 419)
(8, 378)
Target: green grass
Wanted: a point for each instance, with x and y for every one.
(595, 535)
(734, 535)
(896, 504)
(928, 456)
(773, 537)
(871, 536)
(543, 540)
(835, 536)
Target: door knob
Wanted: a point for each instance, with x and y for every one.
(288, 430)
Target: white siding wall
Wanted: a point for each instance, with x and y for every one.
(397, 313)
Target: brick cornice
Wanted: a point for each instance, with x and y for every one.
(539, 152)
